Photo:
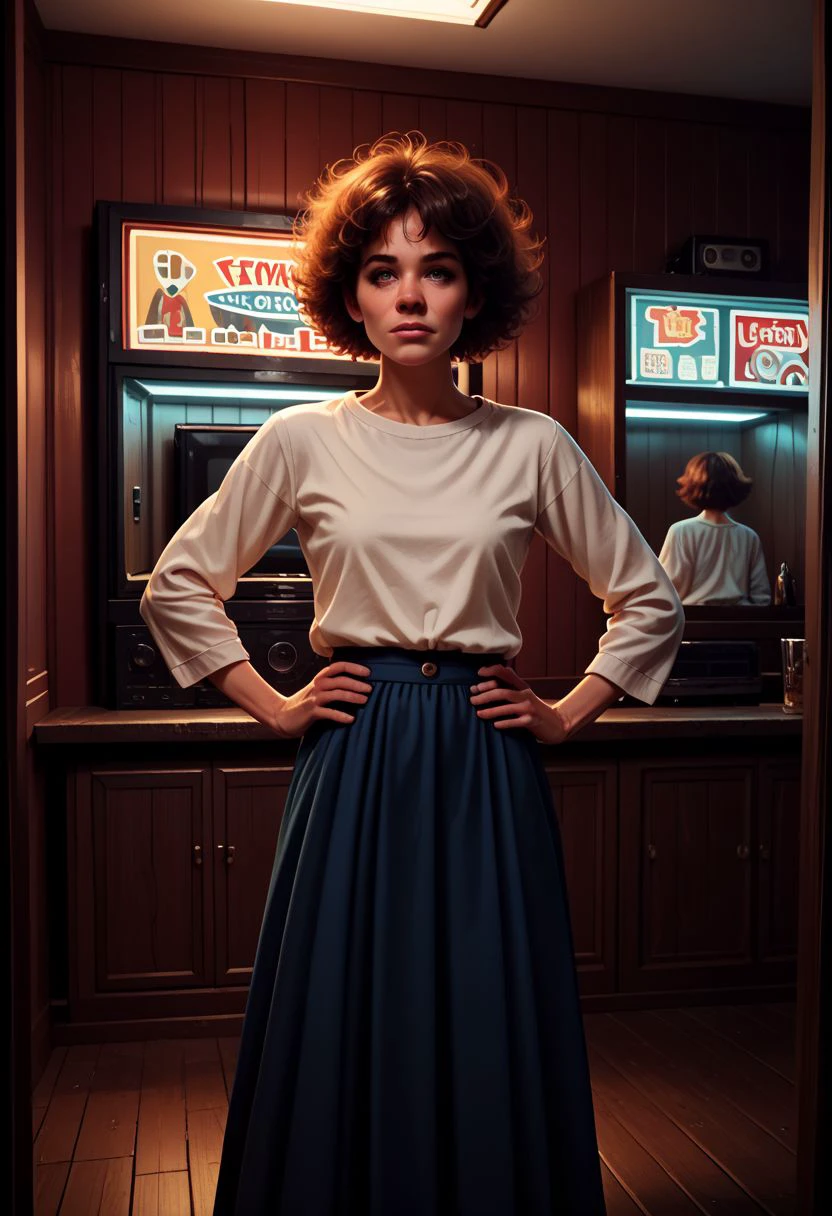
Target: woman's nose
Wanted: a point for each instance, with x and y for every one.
(410, 296)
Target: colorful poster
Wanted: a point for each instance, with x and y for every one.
(769, 349)
(223, 291)
(672, 341)
(717, 341)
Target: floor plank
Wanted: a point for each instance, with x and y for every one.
(637, 1169)
(744, 1031)
(99, 1188)
(690, 1167)
(205, 1132)
(108, 1128)
(761, 1094)
(43, 1090)
(228, 1054)
(618, 1201)
(743, 1150)
(161, 1140)
(50, 1181)
(694, 1108)
(162, 1195)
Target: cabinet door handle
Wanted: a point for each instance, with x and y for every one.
(652, 852)
(765, 851)
(743, 851)
(197, 854)
(229, 854)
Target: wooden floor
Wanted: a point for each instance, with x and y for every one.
(695, 1111)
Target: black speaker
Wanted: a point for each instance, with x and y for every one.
(738, 257)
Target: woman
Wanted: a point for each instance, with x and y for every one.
(412, 1040)
(712, 559)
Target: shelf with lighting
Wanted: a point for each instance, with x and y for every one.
(672, 365)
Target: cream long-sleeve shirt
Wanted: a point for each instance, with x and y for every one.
(415, 536)
(712, 563)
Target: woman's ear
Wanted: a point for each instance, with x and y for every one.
(351, 304)
(475, 303)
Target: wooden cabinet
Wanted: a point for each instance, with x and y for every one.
(168, 873)
(585, 804)
(778, 866)
(248, 810)
(680, 859)
(708, 874)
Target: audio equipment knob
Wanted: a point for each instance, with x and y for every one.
(282, 657)
(142, 655)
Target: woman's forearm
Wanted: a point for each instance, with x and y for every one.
(586, 701)
(242, 684)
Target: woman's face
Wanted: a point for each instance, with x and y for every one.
(406, 281)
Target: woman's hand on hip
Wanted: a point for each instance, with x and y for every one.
(516, 706)
(339, 681)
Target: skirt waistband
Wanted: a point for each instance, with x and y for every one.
(396, 663)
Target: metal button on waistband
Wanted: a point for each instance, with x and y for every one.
(429, 669)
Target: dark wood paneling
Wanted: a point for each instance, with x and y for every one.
(649, 194)
(265, 112)
(563, 224)
(139, 170)
(86, 50)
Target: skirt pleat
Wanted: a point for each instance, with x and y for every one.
(412, 1042)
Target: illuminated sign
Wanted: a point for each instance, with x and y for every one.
(672, 341)
(717, 341)
(769, 349)
(223, 291)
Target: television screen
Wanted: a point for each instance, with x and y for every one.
(203, 456)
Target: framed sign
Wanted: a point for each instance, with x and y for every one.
(717, 341)
(220, 291)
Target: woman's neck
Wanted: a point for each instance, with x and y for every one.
(418, 395)
(715, 517)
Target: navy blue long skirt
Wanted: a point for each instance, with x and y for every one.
(412, 1042)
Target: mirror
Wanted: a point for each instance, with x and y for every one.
(703, 555)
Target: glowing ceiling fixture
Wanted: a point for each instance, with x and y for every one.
(682, 415)
(457, 12)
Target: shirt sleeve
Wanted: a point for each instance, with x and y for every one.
(759, 591)
(581, 521)
(677, 565)
(199, 567)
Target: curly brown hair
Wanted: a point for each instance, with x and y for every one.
(467, 201)
(713, 481)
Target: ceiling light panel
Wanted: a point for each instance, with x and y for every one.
(457, 12)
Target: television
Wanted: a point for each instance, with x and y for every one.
(203, 454)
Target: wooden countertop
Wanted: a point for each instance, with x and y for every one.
(92, 724)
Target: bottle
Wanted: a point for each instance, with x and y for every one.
(784, 587)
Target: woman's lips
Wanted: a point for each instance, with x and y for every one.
(412, 333)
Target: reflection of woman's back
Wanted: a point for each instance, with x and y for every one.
(712, 559)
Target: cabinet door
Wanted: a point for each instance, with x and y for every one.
(249, 803)
(778, 863)
(140, 880)
(686, 874)
(585, 804)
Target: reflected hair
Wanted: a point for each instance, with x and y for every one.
(713, 480)
(466, 200)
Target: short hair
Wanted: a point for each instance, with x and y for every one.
(713, 480)
(466, 200)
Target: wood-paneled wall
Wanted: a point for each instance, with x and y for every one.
(36, 526)
(615, 178)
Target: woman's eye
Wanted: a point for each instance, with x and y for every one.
(443, 275)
